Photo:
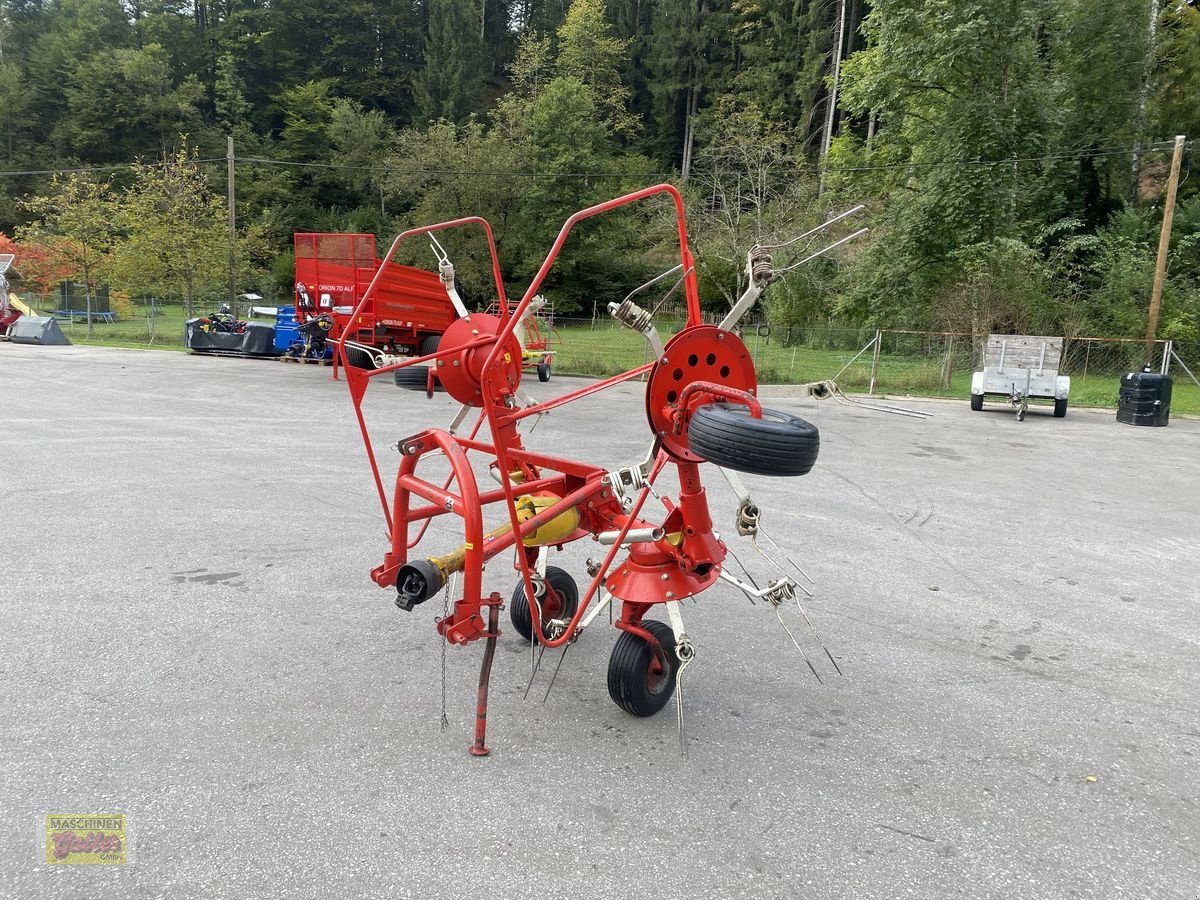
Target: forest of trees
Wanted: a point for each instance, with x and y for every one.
(1012, 153)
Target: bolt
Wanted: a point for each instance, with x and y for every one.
(455, 363)
(670, 595)
(665, 576)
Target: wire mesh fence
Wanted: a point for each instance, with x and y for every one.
(864, 360)
(119, 319)
(875, 361)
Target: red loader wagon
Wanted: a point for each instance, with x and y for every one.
(408, 309)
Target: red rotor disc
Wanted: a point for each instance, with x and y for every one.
(461, 372)
(701, 353)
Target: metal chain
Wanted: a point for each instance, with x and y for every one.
(445, 723)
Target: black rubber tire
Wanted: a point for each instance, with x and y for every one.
(412, 378)
(543, 370)
(776, 444)
(1060, 408)
(977, 402)
(429, 344)
(359, 358)
(633, 682)
(561, 606)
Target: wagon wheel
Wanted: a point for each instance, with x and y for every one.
(641, 681)
(429, 344)
(776, 444)
(359, 358)
(543, 371)
(560, 601)
(414, 378)
(977, 402)
(1060, 408)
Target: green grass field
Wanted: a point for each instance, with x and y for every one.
(607, 350)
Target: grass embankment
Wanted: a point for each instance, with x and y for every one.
(609, 350)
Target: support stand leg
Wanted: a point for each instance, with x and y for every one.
(479, 748)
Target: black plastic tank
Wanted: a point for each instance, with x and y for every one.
(1145, 398)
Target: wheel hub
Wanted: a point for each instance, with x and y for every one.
(703, 353)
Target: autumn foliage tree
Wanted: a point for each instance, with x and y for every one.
(40, 266)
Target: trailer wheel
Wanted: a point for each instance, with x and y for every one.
(977, 402)
(543, 370)
(1060, 408)
(359, 358)
(639, 680)
(429, 344)
(413, 378)
(416, 378)
(559, 602)
(776, 444)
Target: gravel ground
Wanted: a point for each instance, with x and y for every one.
(188, 636)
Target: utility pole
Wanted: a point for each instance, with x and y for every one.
(1164, 241)
(232, 227)
(831, 100)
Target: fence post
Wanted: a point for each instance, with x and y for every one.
(875, 361)
(1168, 349)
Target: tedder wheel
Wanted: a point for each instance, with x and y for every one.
(543, 370)
(776, 444)
(559, 602)
(1060, 408)
(977, 402)
(638, 680)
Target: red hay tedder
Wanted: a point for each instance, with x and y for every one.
(700, 407)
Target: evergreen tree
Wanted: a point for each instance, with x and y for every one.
(452, 77)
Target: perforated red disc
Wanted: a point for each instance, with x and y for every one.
(702, 353)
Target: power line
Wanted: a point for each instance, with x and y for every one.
(1080, 154)
(87, 170)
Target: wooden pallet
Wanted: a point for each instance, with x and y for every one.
(307, 359)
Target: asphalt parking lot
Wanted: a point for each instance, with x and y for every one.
(189, 637)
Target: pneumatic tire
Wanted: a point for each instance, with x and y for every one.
(413, 378)
(776, 444)
(638, 681)
(560, 601)
(977, 402)
(359, 358)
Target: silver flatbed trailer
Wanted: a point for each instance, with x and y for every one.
(1021, 367)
